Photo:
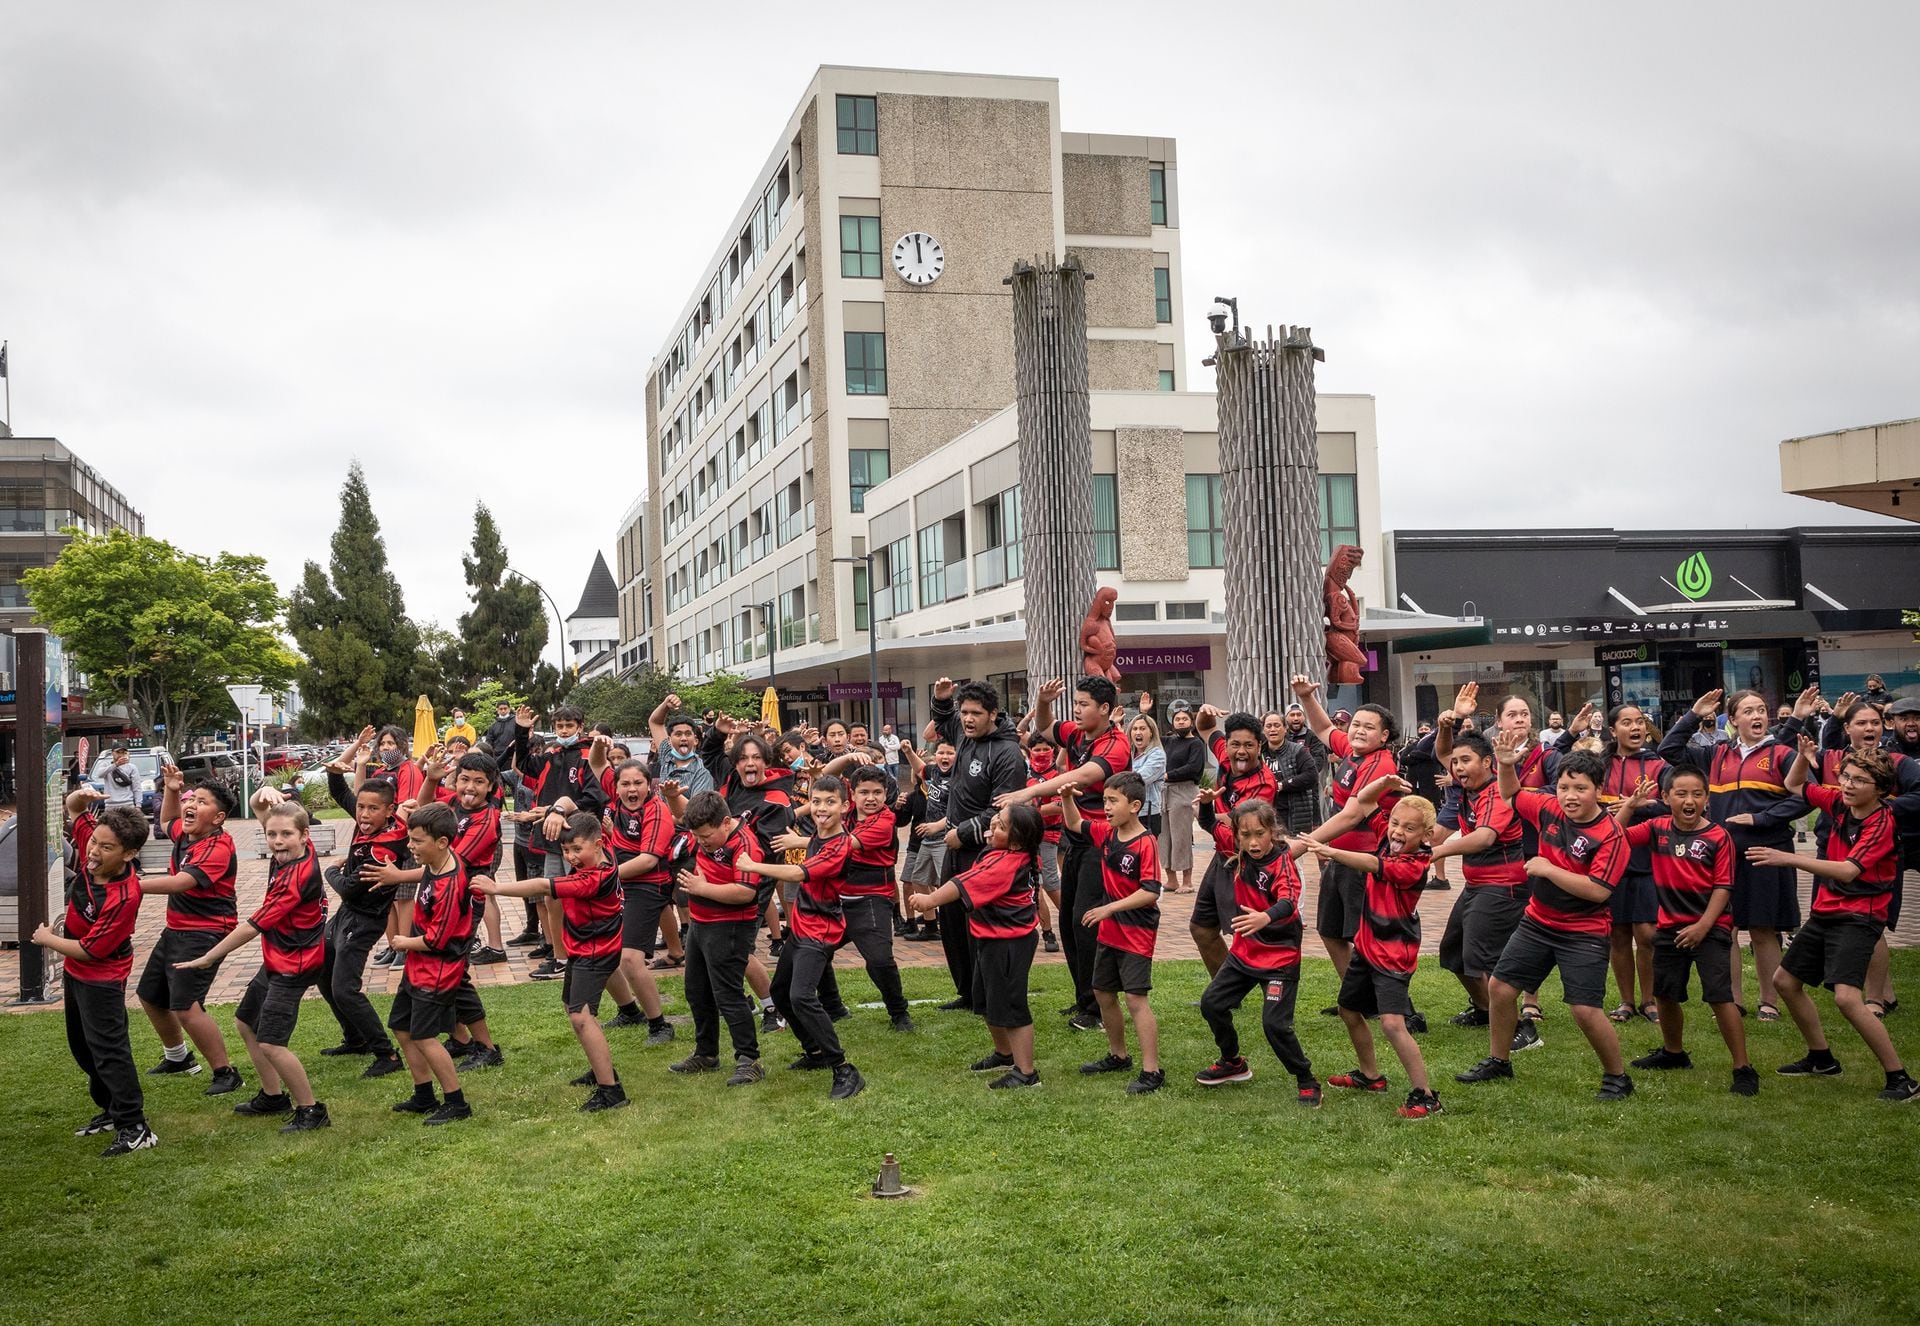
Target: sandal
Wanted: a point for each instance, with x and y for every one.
(1893, 1006)
(1879, 1008)
(1651, 1012)
(1741, 1009)
(667, 962)
(1768, 1013)
(1622, 1013)
(1532, 1013)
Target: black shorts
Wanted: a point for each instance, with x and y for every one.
(1343, 897)
(422, 1015)
(1369, 991)
(271, 1005)
(1714, 958)
(586, 980)
(1115, 970)
(1478, 928)
(1832, 950)
(1213, 907)
(165, 986)
(1535, 950)
(1001, 967)
(640, 916)
(1634, 901)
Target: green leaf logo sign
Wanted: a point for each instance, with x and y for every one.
(1695, 577)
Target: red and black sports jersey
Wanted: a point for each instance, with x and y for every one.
(592, 902)
(647, 831)
(1349, 776)
(80, 833)
(816, 907)
(1504, 864)
(1108, 749)
(1870, 843)
(1049, 807)
(876, 845)
(1216, 816)
(717, 867)
(1125, 869)
(385, 846)
(408, 777)
(1597, 849)
(101, 916)
(476, 840)
(292, 918)
(210, 859)
(766, 808)
(1271, 885)
(1389, 936)
(998, 894)
(1688, 865)
(443, 916)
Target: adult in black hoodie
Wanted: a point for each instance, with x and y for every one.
(1186, 762)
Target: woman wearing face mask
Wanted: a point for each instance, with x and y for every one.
(1186, 761)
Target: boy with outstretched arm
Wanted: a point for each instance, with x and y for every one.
(379, 840)
(103, 904)
(592, 905)
(200, 911)
(291, 923)
(638, 832)
(724, 905)
(565, 784)
(1127, 925)
(1693, 879)
(868, 896)
(426, 1006)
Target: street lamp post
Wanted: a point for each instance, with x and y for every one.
(772, 645)
(558, 620)
(873, 648)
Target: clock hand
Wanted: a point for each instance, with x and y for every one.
(916, 250)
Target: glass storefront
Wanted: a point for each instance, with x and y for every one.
(1549, 685)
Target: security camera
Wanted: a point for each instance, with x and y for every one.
(1218, 321)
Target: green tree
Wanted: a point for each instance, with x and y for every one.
(436, 667)
(722, 692)
(502, 636)
(163, 631)
(353, 628)
(624, 704)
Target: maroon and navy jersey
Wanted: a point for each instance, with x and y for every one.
(647, 831)
(1531, 767)
(101, 916)
(1231, 789)
(1109, 750)
(876, 844)
(210, 859)
(1504, 864)
(1389, 936)
(592, 902)
(292, 918)
(816, 913)
(1349, 776)
(1623, 775)
(443, 916)
(1125, 869)
(1688, 865)
(998, 894)
(1597, 849)
(1869, 843)
(717, 867)
(1265, 885)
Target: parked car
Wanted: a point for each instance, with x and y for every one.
(221, 764)
(280, 757)
(148, 761)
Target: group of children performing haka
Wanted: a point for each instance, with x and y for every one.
(1549, 841)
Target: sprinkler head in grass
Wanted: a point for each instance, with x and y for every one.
(888, 1184)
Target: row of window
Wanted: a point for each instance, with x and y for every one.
(778, 418)
(751, 633)
(773, 313)
(780, 520)
(1206, 521)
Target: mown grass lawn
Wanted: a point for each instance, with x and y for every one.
(1526, 1202)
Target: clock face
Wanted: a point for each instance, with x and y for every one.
(918, 257)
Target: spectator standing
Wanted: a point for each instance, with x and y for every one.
(1150, 762)
(1186, 760)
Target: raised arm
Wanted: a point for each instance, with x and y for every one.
(1307, 692)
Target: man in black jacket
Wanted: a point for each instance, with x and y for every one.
(1186, 762)
(1296, 772)
(499, 734)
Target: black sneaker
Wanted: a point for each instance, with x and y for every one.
(807, 1063)
(746, 1072)
(451, 1112)
(1614, 1086)
(956, 1006)
(306, 1118)
(1147, 1081)
(1808, 1066)
(416, 1105)
(487, 1056)
(840, 1014)
(771, 1021)
(1488, 1069)
(1664, 1058)
(1109, 1063)
(900, 1022)
(847, 1082)
(661, 1035)
(1901, 1091)
(992, 1063)
(1746, 1082)
(1470, 1017)
(458, 1050)
(624, 1019)
(488, 954)
(188, 1065)
(604, 1098)
(128, 1140)
(1527, 1036)
(1417, 1022)
(1223, 1072)
(1421, 1105)
(1014, 1079)
(1308, 1093)
(99, 1123)
(1330, 1011)
(694, 1063)
(344, 1048)
(224, 1080)
(526, 939)
(385, 957)
(384, 1064)
(1085, 1022)
(262, 1103)
(550, 970)
(542, 950)
(774, 946)
(1050, 941)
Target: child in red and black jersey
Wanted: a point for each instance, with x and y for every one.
(200, 911)
(1853, 888)
(724, 905)
(868, 897)
(1041, 756)
(291, 922)
(999, 894)
(96, 941)
(1491, 845)
(427, 1004)
(365, 879)
(592, 908)
(1387, 946)
(1129, 923)
(1244, 775)
(1692, 865)
(817, 926)
(638, 832)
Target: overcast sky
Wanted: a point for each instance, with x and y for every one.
(1593, 262)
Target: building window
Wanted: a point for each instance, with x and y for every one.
(866, 363)
(860, 246)
(858, 119)
(865, 469)
(793, 618)
(1206, 538)
(933, 564)
(1136, 612)
(896, 580)
(1162, 291)
(1166, 379)
(1339, 513)
(1192, 611)
(860, 617)
(1106, 522)
(1002, 556)
(788, 510)
(1156, 189)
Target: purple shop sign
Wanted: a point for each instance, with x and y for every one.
(1196, 658)
(860, 690)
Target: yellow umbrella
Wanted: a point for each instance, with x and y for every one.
(425, 733)
(770, 709)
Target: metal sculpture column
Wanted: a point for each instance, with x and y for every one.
(1056, 461)
(1270, 495)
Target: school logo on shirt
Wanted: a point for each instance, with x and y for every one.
(1126, 862)
(975, 769)
(1580, 846)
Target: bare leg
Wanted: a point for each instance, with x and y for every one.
(1341, 951)
(1598, 1030)
(1853, 1007)
(1146, 1029)
(594, 1042)
(269, 1078)
(1362, 1037)
(1880, 974)
(1476, 987)
(289, 1071)
(1732, 1031)
(1212, 945)
(1739, 971)
(1394, 1027)
(1766, 962)
(435, 1059)
(165, 1024)
(1643, 961)
(491, 919)
(1020, 1046)
(1620, 957)
(758, 981)
(1673, 1025)
(1503, 1014)
(1799, 1005)
(206, 1036)
(1114, 1024)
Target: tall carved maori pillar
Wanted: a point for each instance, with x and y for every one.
(1056, 461)
(1269, 487)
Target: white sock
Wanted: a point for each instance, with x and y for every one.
(766, 1006)
(178, 1053)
